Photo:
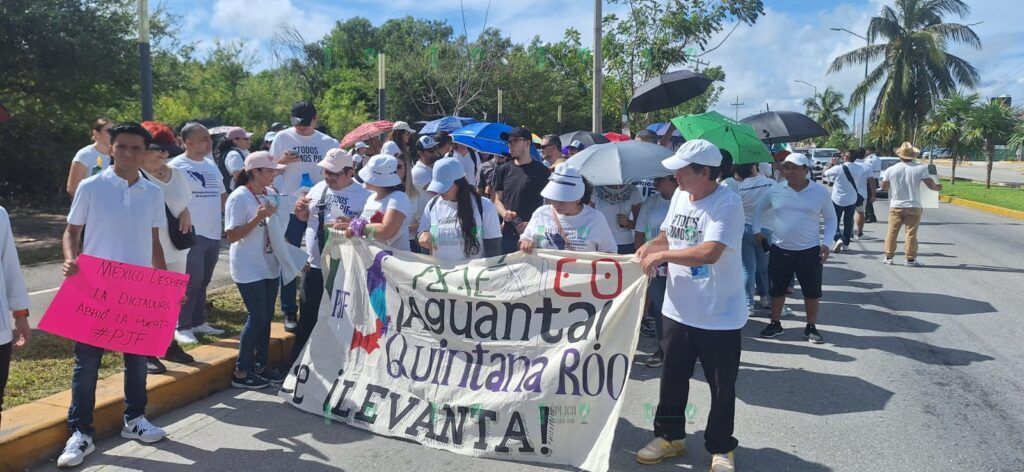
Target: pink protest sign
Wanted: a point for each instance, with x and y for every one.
(116, 306)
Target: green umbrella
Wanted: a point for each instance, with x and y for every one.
(739, 139)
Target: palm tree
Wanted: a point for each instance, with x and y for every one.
(827, 109)
(1016, 141)
(914, 67)
(946, 124)
(988, 125)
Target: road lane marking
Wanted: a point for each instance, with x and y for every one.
(40, 292)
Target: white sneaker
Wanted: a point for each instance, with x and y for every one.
(723, 463)
(205, 328)
(838, 246)
(185, 336)
(887, 261)
(913, 264)
(78, 446)
(787, 311)
(140, 428)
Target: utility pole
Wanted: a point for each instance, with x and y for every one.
(381, 94)
(598, 66)
(697, 63)
(737, 104)
(559, 119)
(499, 105)
(145, 62)
(864, 105)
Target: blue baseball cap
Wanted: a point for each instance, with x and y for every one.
(446, 172)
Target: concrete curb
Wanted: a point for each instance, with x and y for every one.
(36, 431)
(1019, 215)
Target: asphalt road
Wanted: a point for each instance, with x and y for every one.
(976, 172)
(923, 370)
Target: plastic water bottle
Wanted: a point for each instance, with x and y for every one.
(305, 184)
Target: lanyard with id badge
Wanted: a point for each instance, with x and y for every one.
(275, 201)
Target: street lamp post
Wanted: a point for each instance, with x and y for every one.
(809, 84)
(864, 106)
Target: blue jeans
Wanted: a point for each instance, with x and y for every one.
(254, 343)
(202, 259)
(845, 216)
(656, 295)
(293, 234)
(83, 387)
(755, 265)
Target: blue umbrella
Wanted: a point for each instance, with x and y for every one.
(447, 123)
(660, 129)
(486, 137)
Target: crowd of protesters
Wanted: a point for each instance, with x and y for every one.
(721, 241)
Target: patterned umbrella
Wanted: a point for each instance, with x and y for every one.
(365, 131)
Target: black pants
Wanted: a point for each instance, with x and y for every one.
(719, 354)
(845, 216)
(309, 309)
(783, 264)
(5, 369)
(869, 205)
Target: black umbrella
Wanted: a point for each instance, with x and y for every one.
(585, 137)
(784, 126)
(668, 90)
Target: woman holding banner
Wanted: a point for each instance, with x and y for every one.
(567, 222)
(457, 225)
(254, 268)
(387, 212)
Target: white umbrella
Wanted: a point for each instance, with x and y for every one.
(620, 163)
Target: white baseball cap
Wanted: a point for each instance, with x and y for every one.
(336, 160)
(270, 136)
(360, 145)
(381, 170)
(425, 143)
(799, 159)
(697, 151)
(564, 185)
(446, 172)
(401, 125)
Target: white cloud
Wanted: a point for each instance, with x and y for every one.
(761, 62)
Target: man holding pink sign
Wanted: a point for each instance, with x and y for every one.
(123, 214)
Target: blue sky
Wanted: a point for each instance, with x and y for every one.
(791, 42)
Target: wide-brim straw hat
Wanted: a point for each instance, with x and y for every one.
(908, 151)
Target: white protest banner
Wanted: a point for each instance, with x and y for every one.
(522, 357)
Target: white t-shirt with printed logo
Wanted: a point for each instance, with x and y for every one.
(612, 210)
(648, 222)
(204, 178)
(586, 231)
(347, 202)
(93, 160)
(251, 258)
(375, 210)
(710, 296)
(310, 149)
(441, 218)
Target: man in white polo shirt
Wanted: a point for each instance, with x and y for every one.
(124, 214)
(798, 245)
(705, 303)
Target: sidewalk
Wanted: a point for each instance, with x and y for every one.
(37, 431)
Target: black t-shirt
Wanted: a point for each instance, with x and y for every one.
(520, 187)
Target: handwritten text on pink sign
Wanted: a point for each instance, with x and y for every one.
(116, 306)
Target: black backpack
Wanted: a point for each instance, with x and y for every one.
(220, 159)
